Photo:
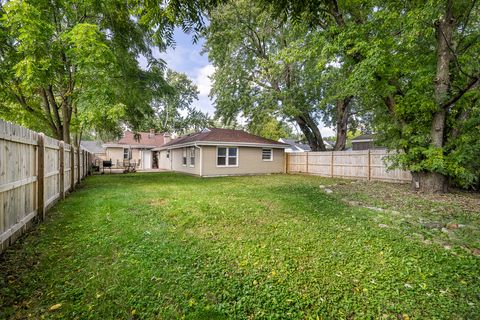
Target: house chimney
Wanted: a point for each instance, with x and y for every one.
(151, 134)
(166, 137)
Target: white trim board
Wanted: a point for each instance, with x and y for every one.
(222, 144)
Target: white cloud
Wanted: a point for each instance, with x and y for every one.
(326, 131)
(203, 81)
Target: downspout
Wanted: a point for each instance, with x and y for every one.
(201, 157)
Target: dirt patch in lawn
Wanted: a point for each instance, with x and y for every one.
(158, 202)
(449, 220)
(400, 196)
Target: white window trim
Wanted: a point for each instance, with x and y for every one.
(168, 154)
(129, 153)
(271, 154)
(184, 156)
(226, 157)
(190, 156)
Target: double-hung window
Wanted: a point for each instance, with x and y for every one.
(227, 157)
(267, 154)
(127, 154)
(184, 156)
(192, 157)
(168, 154)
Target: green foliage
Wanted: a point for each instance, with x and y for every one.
(401, 63)
(270, 128)
(73, 66)
(174, 111)
(386, 55)
(170, 246)
(256, 75)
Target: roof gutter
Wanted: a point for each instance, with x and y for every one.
(223, 143)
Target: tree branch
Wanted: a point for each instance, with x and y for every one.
(472, 83)
(47, 111)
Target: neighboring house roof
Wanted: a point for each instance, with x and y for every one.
(294, 145)
(364, 138)
(217, 136)
(328, 144)
(146, 140)
(92, 146)
(302, 147)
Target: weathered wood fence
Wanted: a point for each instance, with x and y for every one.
(369, 165)
(35, 172)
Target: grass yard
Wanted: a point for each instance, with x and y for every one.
(163, 246)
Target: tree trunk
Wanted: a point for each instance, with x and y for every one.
(429, 182)
(433, 181)
(311, 132)
(343, 108)
(66, 116)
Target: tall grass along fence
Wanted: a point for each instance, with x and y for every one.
(368, 165)
(35, 172)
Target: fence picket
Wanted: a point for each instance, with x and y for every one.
(369, 165)
(35, 171)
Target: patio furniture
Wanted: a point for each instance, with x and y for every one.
(129, 166)
(106, 164)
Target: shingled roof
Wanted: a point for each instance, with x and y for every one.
(212, 135)
(364, 137)
(146, 139)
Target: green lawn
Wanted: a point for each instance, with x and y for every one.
(142, 246)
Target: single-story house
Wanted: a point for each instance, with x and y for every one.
(222, 152)
(296, 146)
(95, 148)
(136, 149)
(365, 142)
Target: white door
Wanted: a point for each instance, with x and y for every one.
(146, 159)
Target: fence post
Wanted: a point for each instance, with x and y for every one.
(369, 166)
(79, 164)
(72, 167)
(306, 164)
(62, 169)
(331, 165)
(41, 176)
(89, 162)
(85, 161)
(286, 161)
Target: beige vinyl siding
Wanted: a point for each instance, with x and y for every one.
(116, 155)
(136, 155)
(163, 161)
(176, 156)
(249, 162)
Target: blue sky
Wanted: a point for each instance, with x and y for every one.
(186, 57)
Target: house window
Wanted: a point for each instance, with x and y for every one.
(267, 155)
(168, 154)
(227, 157)
(192, 157)
(184, 156)
(127, 154)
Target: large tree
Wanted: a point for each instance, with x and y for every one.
(175, 110)
(251, 78)
(421, 71)
(66, 66)
(416, 64)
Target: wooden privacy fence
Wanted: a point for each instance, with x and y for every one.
(35, 172)
(368, 164)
